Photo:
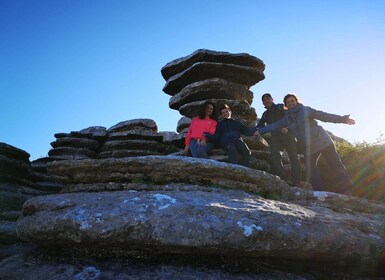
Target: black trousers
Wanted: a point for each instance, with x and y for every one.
(239, 152)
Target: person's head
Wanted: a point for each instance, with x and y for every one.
(207, 109)
(290, 100)
(225, 111)
(267, 100)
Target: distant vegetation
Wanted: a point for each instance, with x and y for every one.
(365, 163)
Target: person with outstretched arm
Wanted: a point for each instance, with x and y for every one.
(313, 141)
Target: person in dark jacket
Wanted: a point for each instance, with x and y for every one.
(314, 141)
(280, 140)
(228, 133)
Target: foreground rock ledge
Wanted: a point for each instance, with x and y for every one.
(170, 169)
(223, 222)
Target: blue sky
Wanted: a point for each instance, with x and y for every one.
(69, 65)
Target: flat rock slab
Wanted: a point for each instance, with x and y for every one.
(178, 65)
(13, 152)
(240, 109)
(209, 89)
(248, 76)
(223, 222)
(133, 124)
(170, 169)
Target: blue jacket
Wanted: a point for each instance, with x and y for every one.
(229, 130)
(301, 121)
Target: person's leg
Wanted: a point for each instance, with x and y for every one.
(312, 172)
(344, 184)
(232, 152)
(193, 147)
(275, 157)
(291, 149)
(202, 150)
(244, 151)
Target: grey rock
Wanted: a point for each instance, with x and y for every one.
(199, 71)
(15, 170)
(127, 153)
(136, 133)
(215, 88)
(170, 169)
(13, 152)
(173, 138)
(178, 65)
(32, 266)
(184, 122)
(133, 124)
(76, 153)
(8, 232)
(40, 164)
(76, 142)
(225, 222)
(10, 215)
(256, 143)
(240, 109)
(149, 145)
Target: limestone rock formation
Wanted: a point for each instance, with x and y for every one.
(219, 77)
(197, 210)
(130, 138)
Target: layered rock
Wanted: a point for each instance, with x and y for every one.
(219, 77)
(78, 145)
(16, 186)
(135, 137)
(199, 209)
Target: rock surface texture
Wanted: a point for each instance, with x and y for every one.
(123, 203)
(219, 77)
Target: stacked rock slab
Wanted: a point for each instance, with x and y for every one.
(16, 186)
(219, 77)
(83, 144)
(136, 137)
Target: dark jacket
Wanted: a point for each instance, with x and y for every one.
(229, 130)
(273, 114)
(302, 122)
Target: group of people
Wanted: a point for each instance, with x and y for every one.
(293, 129)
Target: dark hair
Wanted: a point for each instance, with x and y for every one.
(224, 106)
(289, 95)
(202, 110)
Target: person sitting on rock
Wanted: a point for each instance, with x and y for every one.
(228, 133)
(196, 142)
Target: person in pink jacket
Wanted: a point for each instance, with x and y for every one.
(196, 142)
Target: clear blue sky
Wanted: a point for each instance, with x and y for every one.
(67, 65)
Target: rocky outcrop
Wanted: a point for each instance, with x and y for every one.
(110, 204)
(16, 186)
(198, 210)
(219, 77)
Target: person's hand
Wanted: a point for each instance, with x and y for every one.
(350, 121)
(186, 150)
(202, 142)
(256, 133)
(284, 130)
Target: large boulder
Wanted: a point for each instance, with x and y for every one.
(216, 222)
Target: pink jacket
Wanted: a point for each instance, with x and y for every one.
(198, 126)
